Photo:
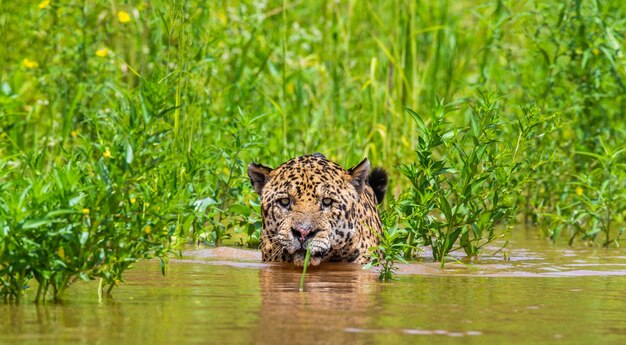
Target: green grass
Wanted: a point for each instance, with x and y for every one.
(149, 120)
(307, 258)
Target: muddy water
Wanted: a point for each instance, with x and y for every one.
(542, 294)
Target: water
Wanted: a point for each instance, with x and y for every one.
(543, 294)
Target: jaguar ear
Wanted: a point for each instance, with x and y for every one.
(359, 174)
(259, 174)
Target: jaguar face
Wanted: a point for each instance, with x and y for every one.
(309, 201)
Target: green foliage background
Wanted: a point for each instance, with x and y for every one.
(126, 126)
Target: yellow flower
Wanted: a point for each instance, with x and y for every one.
(132, 200)
(123, 17)
(147, 229)
(595, 51)
(102, 52)
(107, 153)
(291, 88)
(85, 211)
(44, 4)
(74, 134)
(579, 190)
(61, 253)
(30, 63)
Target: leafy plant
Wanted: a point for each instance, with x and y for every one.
(90, 217)
(149, 122)
(599, 194)
(462, 181)
(388, 253)
(392, 247)
(574, 57)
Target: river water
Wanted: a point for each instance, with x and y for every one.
(536, 294)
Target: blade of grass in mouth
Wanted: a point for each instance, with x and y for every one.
(307, 257)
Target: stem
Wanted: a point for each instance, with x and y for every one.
(284, 81)
(45, 291)
(39, 290)
(527, 206)
(306, 263)
(284, 69)
(55, 293)
(100, 289)
(109, 289)
(18, 288)
(410, 241)
(608, 206)
(519, 140)
(231, 167)
(82, 66)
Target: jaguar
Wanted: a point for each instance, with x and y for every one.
(312, 201)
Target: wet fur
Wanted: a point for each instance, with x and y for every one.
(343, 231)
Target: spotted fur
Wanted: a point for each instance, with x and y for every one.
(311, 200)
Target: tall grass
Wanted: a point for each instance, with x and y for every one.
(146, 113)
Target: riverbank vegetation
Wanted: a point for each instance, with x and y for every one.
(126, 127)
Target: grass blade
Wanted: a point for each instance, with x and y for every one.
(307, 258)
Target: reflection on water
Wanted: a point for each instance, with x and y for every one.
(335, 301)
(542, 294)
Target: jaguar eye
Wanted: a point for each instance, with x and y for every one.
(326, 202)
(284, 202)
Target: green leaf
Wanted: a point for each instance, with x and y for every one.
(83, 237)
(415, 117)
(105, 176)
(202, 204)
(445, 208)
(239, 209)
(36, 223)
(129, 154)
(76, 200)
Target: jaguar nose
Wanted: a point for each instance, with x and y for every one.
(303, 233)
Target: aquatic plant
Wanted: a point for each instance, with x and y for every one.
(462, 182)
(388, 253)
(597, 195)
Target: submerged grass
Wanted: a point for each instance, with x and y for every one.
(125, 128)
